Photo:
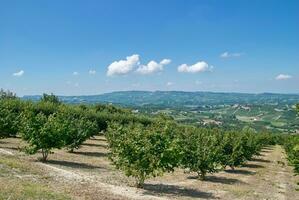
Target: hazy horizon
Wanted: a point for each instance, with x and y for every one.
(160, 91)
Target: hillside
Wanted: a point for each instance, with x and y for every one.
(274, 112)
(179, 98)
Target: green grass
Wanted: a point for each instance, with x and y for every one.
(21, 180)
(14, 188)
(278, 124)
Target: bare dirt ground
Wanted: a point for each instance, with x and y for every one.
(88, 174)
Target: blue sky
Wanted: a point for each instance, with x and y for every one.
(91, 47)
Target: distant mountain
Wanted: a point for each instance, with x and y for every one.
(177, 98)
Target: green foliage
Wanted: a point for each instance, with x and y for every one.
(41, 132)
(143, 151)
(46, 126)
(49, 124)
(201, 150)
(10, 110)
(232, 150)
(75, 127)
(50, 98)
(140, 146)
(291, 146)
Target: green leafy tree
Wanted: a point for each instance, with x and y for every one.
(202, 150)
(75, 127)
(291, 146)
(143, 151)
(50, 98)
(41, 132)
(232, 153)
(250, 144)
(10, 110)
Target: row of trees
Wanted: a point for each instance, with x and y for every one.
(140, 146)
(147, 151)
(50, 124)
(291, 145)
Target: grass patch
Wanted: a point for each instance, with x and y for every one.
(14, 188)
(16, 164)
(21, 180)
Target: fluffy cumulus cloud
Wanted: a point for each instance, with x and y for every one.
(283, 77)
(92, 72)
(230, 55)
(75, 73)
(19, 73)
(198, 67)
(123, 67)
(153, 67)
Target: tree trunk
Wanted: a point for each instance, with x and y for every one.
(45, 155)
(140, 182)
(201, 175)
(71, 150)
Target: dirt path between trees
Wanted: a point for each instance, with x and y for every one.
(87, 174)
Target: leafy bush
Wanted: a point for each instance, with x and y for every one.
(50, 98)
(232, 153)
(141, 151)
(201, 150)
(291, 146)
(41, 132)
(75, 127)
(10, 110)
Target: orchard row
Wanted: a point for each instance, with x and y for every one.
(140, 146)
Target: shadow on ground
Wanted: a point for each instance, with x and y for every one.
(260, 160)
(250, 165)
(94, 154)
(240, 171)
(95, 145)
(217, 179)
(174, 190)
(99, 139)
(13, 148)
(264, 151)
(72, 164)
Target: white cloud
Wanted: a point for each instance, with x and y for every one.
(283, 77)
(19, 73)
(123, 67)
(75, 73)
(169, 83)
(165, 62)
(230, 55)
(198, 67)
(92, 72)
(153, 67)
